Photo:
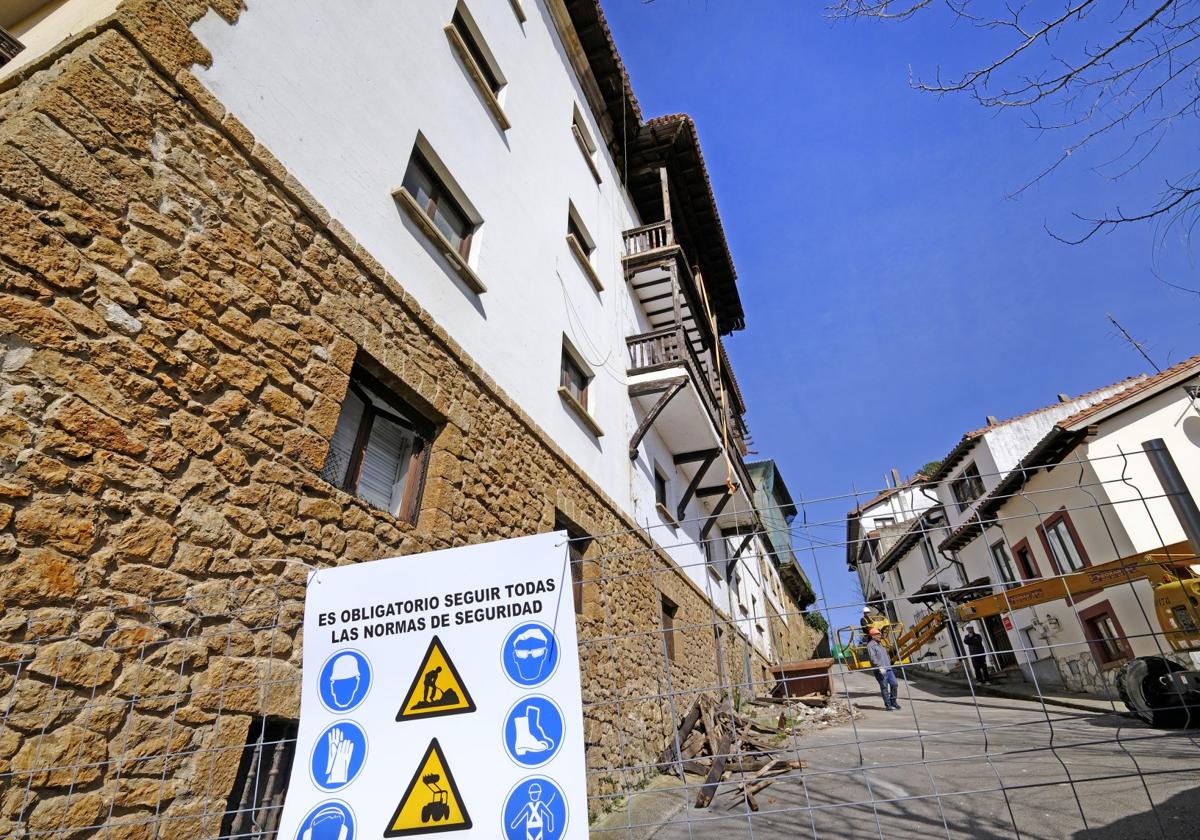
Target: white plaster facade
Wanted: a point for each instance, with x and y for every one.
(1108, 490)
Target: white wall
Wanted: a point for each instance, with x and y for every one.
(339, 99)
(1113, 498)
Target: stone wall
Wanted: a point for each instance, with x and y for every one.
(178, 320)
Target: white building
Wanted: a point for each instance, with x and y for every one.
(492, 157)
(1086, 494)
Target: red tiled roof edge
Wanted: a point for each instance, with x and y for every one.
(1146, 384)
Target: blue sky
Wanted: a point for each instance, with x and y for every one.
(894, 295)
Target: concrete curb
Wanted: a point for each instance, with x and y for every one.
(1083, 703)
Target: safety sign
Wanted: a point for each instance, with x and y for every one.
(328, 821)
(338, 755)
(437, 689)
(440, 694)
(431, 802)
(535, 810)
(533, 731)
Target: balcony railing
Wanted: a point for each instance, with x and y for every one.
(668, 347)
(648, 238)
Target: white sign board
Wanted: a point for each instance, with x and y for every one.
(441, 694)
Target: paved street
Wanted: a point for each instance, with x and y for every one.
(945, 766)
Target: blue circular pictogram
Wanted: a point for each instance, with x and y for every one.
(345, 680)
(535, 808)
(338, 755)
(530, 654)
(533, 731)
(331, 820)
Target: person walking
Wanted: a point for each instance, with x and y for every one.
(978, 656)
(882, 662)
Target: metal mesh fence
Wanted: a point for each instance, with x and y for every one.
(175, 718)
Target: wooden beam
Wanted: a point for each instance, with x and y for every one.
(712, 520)
(642, 389)
(692, 457)
(705, 492)
(652, 415)
(695, 482)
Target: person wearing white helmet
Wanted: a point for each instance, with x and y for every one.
(344, 678)
(535, 814)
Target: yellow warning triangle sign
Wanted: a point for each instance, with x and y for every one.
(431, 803)
(437, 688)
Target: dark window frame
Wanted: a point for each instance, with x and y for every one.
(570, 365)
(662, 495)
(423, 431)
(966, 482)
(669, 609)
(576, 229)
(440, 194)
(254, 809)
(466, 31)
(927, 553)
(1019, 548)
(1061, 517)
(1109, 652)
(1006, 566)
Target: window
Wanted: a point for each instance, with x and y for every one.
(660, 488)
(582, 246)
(379, 449)
(967, 487)
(899, 580)
(256, 802)
(575, 230)
(574, 379)
(471, 40)
(468, 42)
(586, 144)
(438, 204)
(884, 521)
(1104, 634)
(577, 545)
(9, 47)
(1003, 562)
(927, 553)
(1062, 544)
(669, 609)
(1026, 564)
(574, 386)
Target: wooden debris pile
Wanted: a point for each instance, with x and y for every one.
(717, 743)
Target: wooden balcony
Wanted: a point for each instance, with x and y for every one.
(648, 238)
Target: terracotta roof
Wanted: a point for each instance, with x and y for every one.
(672, 141)
(960, 449)
(1051, 449)
(1147, 383)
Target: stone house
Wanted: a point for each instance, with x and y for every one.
(282, 289)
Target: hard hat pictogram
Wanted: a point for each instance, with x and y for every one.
(437, 688)
(431, 803)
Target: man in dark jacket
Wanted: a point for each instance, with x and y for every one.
(879, 657)
(978, 656)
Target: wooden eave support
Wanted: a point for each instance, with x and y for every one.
(712, 520)
(673, 387)
(710, 455)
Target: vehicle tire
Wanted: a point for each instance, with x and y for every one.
(427, 812)
(441, 811)
(1139, 682)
